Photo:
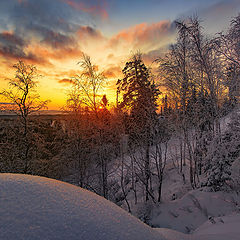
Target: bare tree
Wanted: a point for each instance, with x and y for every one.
(159, 152)
(228, 43)
(88, 83)
(206, 62)
(228, 46)
(25, 101)
(192, 74)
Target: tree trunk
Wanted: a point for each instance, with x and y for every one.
(147, 169)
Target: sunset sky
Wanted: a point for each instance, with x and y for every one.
(52, 34)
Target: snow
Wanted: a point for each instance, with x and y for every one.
(194, 209)
(222, 228)
(40, 208)
(35, 207)
(235, 170)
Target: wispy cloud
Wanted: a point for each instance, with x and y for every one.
(112, 71)
(66, 81)
(96, 8)
(143, 35)
(221, 8)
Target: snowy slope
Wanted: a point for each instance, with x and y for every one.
(33, 208)
(222, 228)
(194, 209)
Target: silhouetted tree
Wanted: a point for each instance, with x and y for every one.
(88, 83)
(25, 101)
(139, 99)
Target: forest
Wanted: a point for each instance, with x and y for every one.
(166, 117)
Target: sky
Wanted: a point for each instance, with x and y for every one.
(53, 35)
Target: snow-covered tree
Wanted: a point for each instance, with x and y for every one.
(228, 45)
(139, 100)
(222, 153)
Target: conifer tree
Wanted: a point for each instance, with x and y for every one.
(222, 152)
(139, 99)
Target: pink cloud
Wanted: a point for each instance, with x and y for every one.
(112, 71)
(143, 33)
(86, 32)
(96, 10)
(24, 2)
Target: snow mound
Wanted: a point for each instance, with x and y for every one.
(34, 207)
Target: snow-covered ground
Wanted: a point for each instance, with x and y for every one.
(33, 208)
(224, 228)
(227, 227)
(194, 209)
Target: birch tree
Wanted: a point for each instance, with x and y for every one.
(25, 100)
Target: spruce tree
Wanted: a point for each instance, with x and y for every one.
(139, 100)
(222, 152)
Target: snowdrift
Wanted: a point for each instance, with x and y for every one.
(37, 208)
(194, 209)
(222, 228)
(34, 207)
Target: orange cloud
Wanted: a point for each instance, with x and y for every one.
(14, 54)
(143, 34)
(67, 74)
(112, 72)
(55, 54)
(66, 81)
(93, 10)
